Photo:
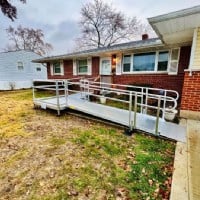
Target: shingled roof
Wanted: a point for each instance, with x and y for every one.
(153, 42)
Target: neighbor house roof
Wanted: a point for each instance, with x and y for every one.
(17, 51)
(154, 42)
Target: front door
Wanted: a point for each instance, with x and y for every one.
(105, 66)
(105, 71)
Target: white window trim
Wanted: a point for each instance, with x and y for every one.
(169, 56)
(61, 69)
(77, 66)
(178, 59)
(127, 54)
(155, 67)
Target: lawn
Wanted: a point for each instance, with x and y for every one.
(43, 156)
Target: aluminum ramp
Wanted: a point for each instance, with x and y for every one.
(75, 94)
(144, 122)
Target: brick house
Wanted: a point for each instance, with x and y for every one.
(171, 61)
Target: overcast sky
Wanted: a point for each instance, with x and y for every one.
(59, 18)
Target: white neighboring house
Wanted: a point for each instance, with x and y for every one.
(17, 71)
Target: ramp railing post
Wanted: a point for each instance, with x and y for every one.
(88, 89)
(164, 104)
(135, 110)
(81, 87)
(66, 92)
(141, 103)
(84, 89)
(33, 89)
(157, 116)
(130, 110)
(57, 97)
(146, 100)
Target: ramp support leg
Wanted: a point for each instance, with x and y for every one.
(157, 116)
(130, 110)
(57, 97)
(135, 110)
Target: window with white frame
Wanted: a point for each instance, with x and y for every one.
(163, 59)
(157, 61)
(56, 68)
(126, 63)
(173, 68)
(20, 66)
(144, 61)
(82, 66)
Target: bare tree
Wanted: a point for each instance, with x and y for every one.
(27, 39)
(8, 9)
(102, 25)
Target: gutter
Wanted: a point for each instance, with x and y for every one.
(99, 52)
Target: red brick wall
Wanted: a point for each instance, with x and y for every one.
(165, 81)
(68, 69)
(95, 66)
(48, 70)
(191, 92)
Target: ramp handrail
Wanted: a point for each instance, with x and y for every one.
(145, 94)
(137, 96)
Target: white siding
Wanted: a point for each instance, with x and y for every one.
(196, 61)
(9, 73)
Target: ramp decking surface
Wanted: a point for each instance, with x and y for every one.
(144, 122)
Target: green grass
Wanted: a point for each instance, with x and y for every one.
(89, 160)
(152, 156)
(151, 161)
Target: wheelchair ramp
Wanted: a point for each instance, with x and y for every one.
(145, 122)
(80, 101)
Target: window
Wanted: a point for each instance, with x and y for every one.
(175, 54)
(157, 61)
(82, 66)
(144, 62)
(126, 63)
(173, 68)
(38, 69)
(163, 57)
(20, 65)
(56, 68)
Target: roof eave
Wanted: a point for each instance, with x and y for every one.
(176, 14)
(97, 53)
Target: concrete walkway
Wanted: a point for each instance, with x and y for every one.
(193, 131)
(186, 176)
